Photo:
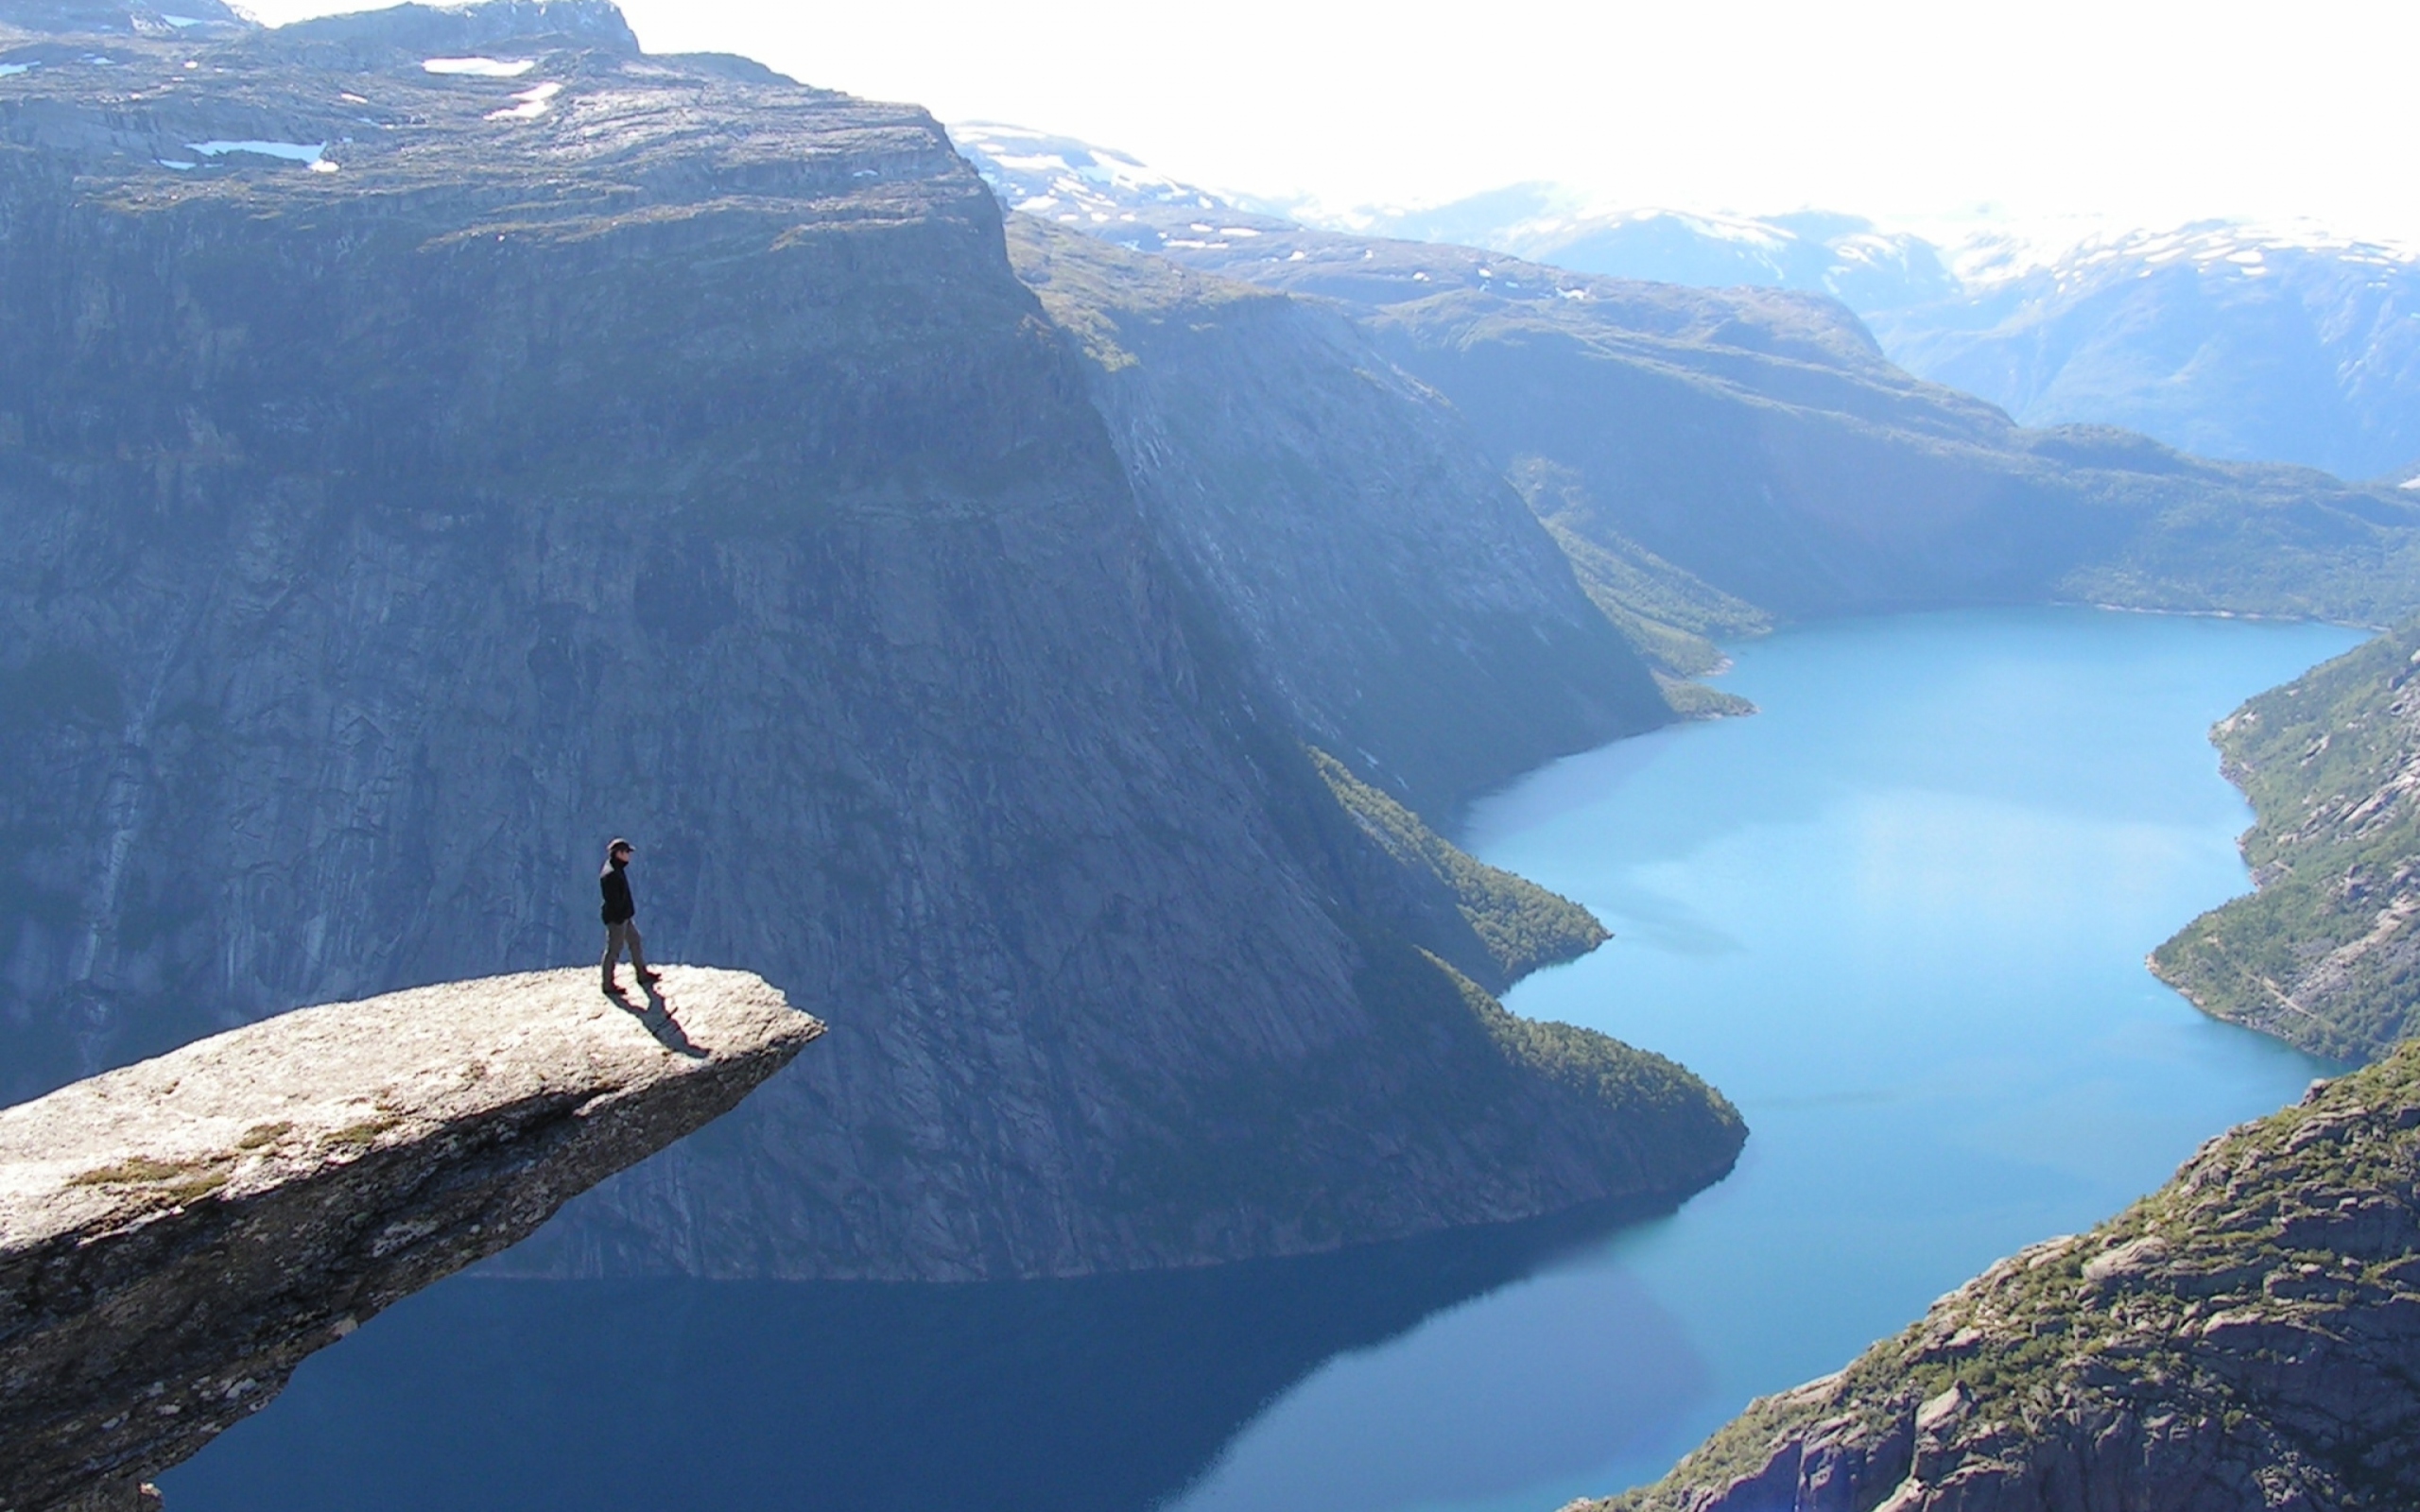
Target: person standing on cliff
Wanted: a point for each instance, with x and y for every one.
(620, 914)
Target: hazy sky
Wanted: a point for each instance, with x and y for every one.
(2149, 113)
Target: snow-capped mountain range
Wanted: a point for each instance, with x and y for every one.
(2232, 340)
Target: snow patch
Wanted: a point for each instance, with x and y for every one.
(479, 67)
(533, 104)
(12, 70)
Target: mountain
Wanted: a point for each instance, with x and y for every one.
(2232, 341)
(1812, 252)
(2217, 338)
(2321, 954)
(1376, 570)
(1760, 443)
(2247, 1337)
(1761, 447)
(1061, 179)
(434, 440)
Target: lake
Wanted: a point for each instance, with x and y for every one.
(1899, 917)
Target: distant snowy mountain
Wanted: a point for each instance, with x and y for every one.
(2230, 341)
(2218, 338)
(1075, 182)
(1813, 251)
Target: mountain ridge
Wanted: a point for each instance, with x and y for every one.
(2235, 340)
(431, 446)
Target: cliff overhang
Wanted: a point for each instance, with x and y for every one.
(177, 1235)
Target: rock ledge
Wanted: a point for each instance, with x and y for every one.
(177, 1235)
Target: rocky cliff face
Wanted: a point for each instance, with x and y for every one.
(176, 1236)
(1760, 441)
(1377, 573)
(434, 441)
(2246, 1337)
(2323, 954)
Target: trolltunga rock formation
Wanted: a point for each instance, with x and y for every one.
(177, 1235)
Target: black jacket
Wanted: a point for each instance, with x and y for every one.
(615, 883)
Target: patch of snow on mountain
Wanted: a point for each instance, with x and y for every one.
(1043, 173)
(479, 67)
(533, 104)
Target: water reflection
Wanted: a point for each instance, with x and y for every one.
(1104, 1394)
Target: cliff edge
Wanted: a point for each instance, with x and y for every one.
(2246, 1337)
(177, 1235)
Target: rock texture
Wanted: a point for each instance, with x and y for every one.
(177, 1235)
(1376, 570)
(2246, 1337)
(619, 444)
(2324, 954)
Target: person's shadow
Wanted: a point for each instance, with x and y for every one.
(655, 1014)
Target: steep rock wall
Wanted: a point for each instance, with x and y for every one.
(656, 446)
(1377, 571)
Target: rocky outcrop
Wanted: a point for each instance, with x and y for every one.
(2324, 954)
(177, 1235)
(2248, 1337)
(1375, 571)
(582, 442)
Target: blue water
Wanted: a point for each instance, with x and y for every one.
(1899, 917)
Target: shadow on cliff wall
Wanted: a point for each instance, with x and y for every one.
(1104, 1394)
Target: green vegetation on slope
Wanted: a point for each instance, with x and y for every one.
(2241, 1338)
(2323, 954)
(1669, 616)
(1522, 925)
(1649, 1123)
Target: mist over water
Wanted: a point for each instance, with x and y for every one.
(1899, 917)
